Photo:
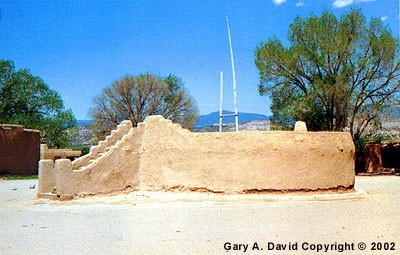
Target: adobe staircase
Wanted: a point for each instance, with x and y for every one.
(97, 154)
(104, 146)
(158, 155)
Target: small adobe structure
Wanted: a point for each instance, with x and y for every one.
(19, 150)
(158, 155)
(54, 154)
(378, 158)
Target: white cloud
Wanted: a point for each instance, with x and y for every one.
(343, 3)
(278, 2)
(384, 18)
(300, 4)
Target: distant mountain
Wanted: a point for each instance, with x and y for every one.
(262, 125)
(213, 118)
(210, 119)
(84, 123)
(392, 112)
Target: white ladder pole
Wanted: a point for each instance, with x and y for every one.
(234, 77)
(221, 89)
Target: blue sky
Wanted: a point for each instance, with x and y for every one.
(80, 47)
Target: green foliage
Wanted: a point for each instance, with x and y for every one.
(336, 73)
(360, 143)
(17, 177)
(84, 149)
(26, 100)
(280, 127)
(136, 97)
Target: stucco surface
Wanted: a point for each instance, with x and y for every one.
(160, 155)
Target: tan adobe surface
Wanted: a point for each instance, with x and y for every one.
(53, 154)
(160, 155)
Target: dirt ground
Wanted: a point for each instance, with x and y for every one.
(202, 223)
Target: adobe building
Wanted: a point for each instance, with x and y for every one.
(379, 158)
(19, 150)
(158, 155)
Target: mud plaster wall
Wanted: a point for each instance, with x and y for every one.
(378, 158)
(19, 150)
(247, 160)
(160, 155)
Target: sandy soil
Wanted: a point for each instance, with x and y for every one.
(198, 223)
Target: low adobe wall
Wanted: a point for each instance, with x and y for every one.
(160, 155)
(19, 150)
(53, 154)
(244, 161)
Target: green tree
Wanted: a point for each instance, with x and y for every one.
(136, 97)
(26, 100)
(335, 73)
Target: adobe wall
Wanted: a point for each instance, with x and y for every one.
(378, 158)
(19, 150)
(244, 161)
(103, 170)
(160, 155)
(53, 154)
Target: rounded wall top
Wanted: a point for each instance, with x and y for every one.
(300, 126)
